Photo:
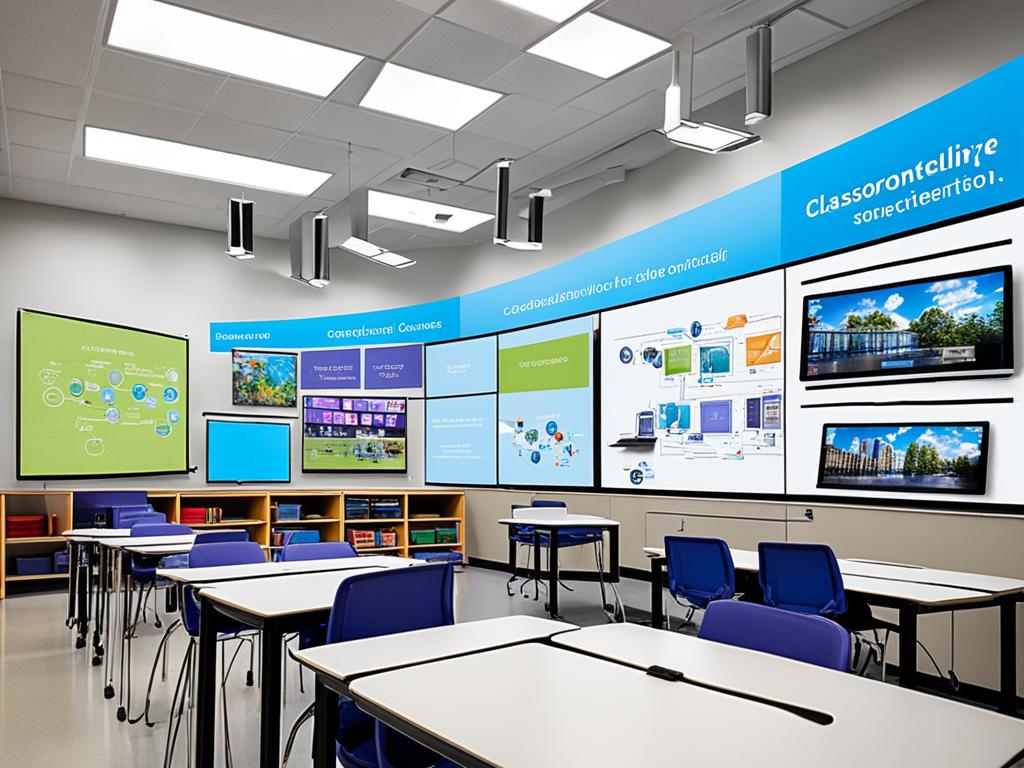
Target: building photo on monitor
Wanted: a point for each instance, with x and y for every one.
(919, 458)
(946, 323)
(264, 378)
(354, 434)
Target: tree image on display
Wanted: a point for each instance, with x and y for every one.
(99, 400)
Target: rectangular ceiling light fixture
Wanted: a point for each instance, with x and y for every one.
(598, 45)
(710, 138)
(553, 10)
(179, 34)
(424, 213)
(375, 253)
(427, 98)
(200, 163)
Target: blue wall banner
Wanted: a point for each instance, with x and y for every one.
(700, 246)
(957, 155)
(435, 321)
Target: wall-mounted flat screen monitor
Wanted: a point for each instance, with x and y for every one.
(948, 457)
(248, 452)
(99, 400)
(264, 378)
(958, 322)
(354, 434)
(716, 417)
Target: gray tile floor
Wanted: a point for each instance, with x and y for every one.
(52, 710)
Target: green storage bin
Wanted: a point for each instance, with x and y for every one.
(423, 537)
(447, 535)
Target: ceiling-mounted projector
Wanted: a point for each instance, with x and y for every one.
(535, 228)
(240, 231)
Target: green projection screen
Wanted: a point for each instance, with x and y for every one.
(99, 400)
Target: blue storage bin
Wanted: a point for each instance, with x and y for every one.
(60, 561)
(33, 565)
(439, 557)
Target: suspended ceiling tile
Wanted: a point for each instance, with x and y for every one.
(139, 77)
(39, 164)
(499, 20)
(427, 6)
(47, 57)
(603, 134)
(318, 154)
(371, 28)
(137, 117)
(507, 114)
(38, 191)
(553, 126)
(367, 165)
(710, 73)
(648, 111)
(542, 79)
(851, 14)
(623, 89)
(145, 208)
(39, 131)
(467, 150)
(76, 20)
(43, 97)
(228, 135)
(445, 49)
(214, 195)
(386, 236)
(354, 87)
(658, 17)
(262, 105)
(94, 174)
(525, 172)
(370, 129)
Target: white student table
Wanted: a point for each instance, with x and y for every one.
(551, 526)
(275, 605)
(337, 666)
(81, 558)
(912, 591)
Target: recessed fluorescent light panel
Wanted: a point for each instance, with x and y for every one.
(171, 32)
(200, 163)
(375, 253)
(554, 10)
(427, 98)
(599, 46)
(424, 212)
(710, 138)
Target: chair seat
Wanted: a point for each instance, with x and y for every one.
(567, 537)
(356, 745)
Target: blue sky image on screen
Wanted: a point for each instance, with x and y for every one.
(462, 367)
(248, 452)
(906, 457)
(460, 440)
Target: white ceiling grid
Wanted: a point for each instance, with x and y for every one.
(56, 75)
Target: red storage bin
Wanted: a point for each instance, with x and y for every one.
(24, 526)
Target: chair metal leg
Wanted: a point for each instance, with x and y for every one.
(307, 714)
(161, 652)
(179, 700)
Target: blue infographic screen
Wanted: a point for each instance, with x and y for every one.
(248, 452)
(462, 367)
(546, 405)
(461, 440)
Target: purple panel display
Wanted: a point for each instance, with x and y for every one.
(394, 367)
(360, 405)
(330, 403)
(716, 416)
(331, 369)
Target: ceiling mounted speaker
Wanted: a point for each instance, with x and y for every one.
(308, 238)
(759, 75)
(240, 213)
(535, 227)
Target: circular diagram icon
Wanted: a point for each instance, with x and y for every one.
(112, 415)
(695, 329)
(162, 429)
(626, 355)
(114, 378)
(173, 416)
(170, 394)
(107, 394)
(139, 391)
(551, 427)
(76, 388)
(94, 446)
(535, 457)
(149, 402)
(171, 375)
(53, 397)
(636, 477)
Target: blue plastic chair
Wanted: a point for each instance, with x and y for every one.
(217, 537)
(700, 570)
(321, 550)
(127, 516)
(803, 637)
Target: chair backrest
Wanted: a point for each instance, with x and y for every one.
(213, 555)
(160, 529)
(699, 569)
(383, 602)
(214, 537)
(812, 639)
(544, 510)
(127, 516)
(321, 550)
(801, 577)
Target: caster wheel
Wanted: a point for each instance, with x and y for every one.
(80, 643)
(96, 661)
(121, 715)
(248, 679)
(108, 692)
(100, 651)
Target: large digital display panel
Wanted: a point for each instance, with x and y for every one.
(692, 391)
(248, 452)
(354, 434)
(99, 400)
(546, 405)
(461, 440)
(264, 378)
(948, 323)
(910, 458)
(462, 367)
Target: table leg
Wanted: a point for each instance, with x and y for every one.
(83, 598)
(553, 574)
(908, 646)
(270, 697)
(657, 620)
(325, 726)
(97, 637)
(1008, 656)
(536, 564)
(72, 582)
(206, 690)
(126, 614)
(112, 602)
(613, 543)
